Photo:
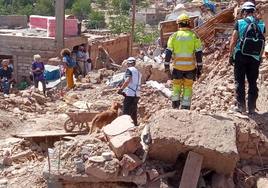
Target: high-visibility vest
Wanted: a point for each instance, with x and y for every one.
(183, 44)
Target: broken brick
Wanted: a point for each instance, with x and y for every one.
(130, 162)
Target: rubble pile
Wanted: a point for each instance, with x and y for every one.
(150, 70)
(150, 102)
(112, 156)
(214, 91)
(26, 101)
(20, 158)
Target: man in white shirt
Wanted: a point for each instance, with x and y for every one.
(131, 90)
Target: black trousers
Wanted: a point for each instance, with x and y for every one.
(43, 84)
(130, 107)
(246, 66)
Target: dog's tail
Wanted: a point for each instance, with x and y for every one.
(93, 123)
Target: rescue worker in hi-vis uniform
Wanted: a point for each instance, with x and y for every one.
(185, 49)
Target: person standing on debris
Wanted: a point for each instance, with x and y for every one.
(186, 50)
(131, 90)
(69, 65)
(38, 69)
(246, 48)
(6, 77)
(81, 60)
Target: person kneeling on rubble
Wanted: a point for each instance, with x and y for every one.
(185, 48)
(6, 77)
(131, 90)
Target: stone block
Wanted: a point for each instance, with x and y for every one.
(179, 131)
(122, 136)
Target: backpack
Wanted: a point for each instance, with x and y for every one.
(253, 40)
(70, 62)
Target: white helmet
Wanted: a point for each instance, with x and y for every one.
(248, 6)
(131, 60)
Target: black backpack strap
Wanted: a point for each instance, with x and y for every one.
(248, 22)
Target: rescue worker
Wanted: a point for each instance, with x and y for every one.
(130, 89)
(246, 63)
(185, 48)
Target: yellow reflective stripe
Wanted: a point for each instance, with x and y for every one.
(184, 59)
(183, 55)
(184, 38)
(183, 63)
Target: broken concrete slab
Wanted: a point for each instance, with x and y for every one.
(191, 171)
(122, 136)
(179, 131)
(119, 125)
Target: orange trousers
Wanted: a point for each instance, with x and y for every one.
(70, 77)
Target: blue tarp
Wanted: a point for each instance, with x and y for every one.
(210, 5)
(52, 72)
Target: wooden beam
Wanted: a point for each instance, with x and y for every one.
(191, 171)
(60, 22)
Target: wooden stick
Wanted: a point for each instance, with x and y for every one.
(259, 154)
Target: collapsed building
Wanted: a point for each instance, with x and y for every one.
(206, 146)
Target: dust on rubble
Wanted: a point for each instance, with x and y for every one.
(92, 159)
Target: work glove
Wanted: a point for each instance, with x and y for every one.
(167, 70)
(231, 60)
(199, 71)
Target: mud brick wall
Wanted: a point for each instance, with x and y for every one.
(22, 50)
(13, 21)
(118, 48)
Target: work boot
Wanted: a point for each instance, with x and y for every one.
(185, 107)
(251, 111)
(175, 104)
(240, 109)
(251, 107)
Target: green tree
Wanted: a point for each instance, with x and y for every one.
(121, 6)
(102, 3)
(96, 20)
(81, 9)
(122, 24)
(20, 7)
(44, 7)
